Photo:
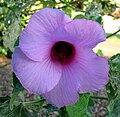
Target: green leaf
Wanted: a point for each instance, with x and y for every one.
(99, 53)
(114, 74)
(79, 16)
(114, 108)
(11, 34)
(4, 101)
(113, 87)
(79, 108)
(68, 11)
(25, 113)
(17, 89)
(63, 112)
(16, 42)
(111, 92)
(93, 12)
(90, 107)
(17, 84)
(91, 102)
(13, 98)
(99, 19)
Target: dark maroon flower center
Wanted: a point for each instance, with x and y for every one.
(62, 52)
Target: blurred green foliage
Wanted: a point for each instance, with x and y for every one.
(14, 16)
(113, 87)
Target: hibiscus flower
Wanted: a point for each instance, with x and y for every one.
(55, 57)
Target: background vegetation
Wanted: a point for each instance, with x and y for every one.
(14, 16)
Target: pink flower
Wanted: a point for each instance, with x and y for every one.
(55, 57)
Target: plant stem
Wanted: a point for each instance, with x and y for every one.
(113, 33)
(35, 101)
(99, 97)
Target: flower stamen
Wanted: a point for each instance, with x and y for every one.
(62, 52)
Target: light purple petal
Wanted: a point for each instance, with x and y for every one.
(33, 48)
(62, 35)
(37, 34)
(65, 93)
(46, 21)
(86, 73)
(36, 77)
(93, 71)
(83, 32)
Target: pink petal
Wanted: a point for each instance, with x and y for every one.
(93, 71)
(36, 77)
(85, 32)
(37, 34)
(65, 93)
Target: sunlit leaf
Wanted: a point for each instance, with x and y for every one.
(90, 0)
(12, 34)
